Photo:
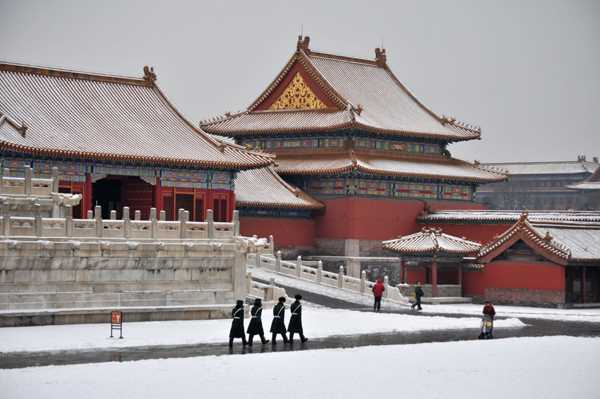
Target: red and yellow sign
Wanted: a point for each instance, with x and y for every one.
(116, 317)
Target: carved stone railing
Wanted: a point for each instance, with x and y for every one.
(319, 276)
(94, 227)
(28, 185)
(269, 293)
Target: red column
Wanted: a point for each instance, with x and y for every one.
(434, 277)
(402, 279)
(583, 293)
(460, 275)
(87, 196)
(157, 201)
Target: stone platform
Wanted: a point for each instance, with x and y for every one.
(103, 315)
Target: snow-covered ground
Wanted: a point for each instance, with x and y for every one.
(548, 367)
(318, 322)
(545, 367)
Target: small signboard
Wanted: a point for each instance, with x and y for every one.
(116, 323)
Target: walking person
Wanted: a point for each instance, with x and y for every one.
(487, 322)
(237, 325)
(295, 325)
(278, 325)
(418, 294)
(255, 327)
(378, 289)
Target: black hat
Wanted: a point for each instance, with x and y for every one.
(298, 296)
(257, 302)
(239, 304)
(281, 299)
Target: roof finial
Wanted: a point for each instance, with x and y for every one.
(149, 75)
(303, 43)
(23, 128)
(380, 56)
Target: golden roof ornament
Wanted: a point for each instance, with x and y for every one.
(149, 75)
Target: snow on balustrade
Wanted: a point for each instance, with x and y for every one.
(319, 276)
(26, 226)
(269, 293)
(308, 273)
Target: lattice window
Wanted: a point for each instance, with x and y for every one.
(185, 201)
(199, 211)
(168, 207)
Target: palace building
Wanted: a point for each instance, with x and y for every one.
(118, 141)
(540, 185)
(546, 258)
(348, 132)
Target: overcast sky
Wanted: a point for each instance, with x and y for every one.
(527, 72)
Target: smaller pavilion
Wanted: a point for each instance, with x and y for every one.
(434, 251)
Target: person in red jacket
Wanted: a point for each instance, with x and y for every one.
(488, 309)
(378, 292)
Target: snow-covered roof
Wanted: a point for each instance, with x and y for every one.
(264, 188)
(546, 168)
(591, 183)
(71, 113)
(561, 242)
(341, 161)
(431, 241)
(507, 217)
(352, 92)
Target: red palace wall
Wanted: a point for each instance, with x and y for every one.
(376, 218)
(285, 232)
(444, 276)
(517, 282)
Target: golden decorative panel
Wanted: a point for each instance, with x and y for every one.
(297, 96)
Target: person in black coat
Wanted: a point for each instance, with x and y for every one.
(255, 327)
(278, 325)
(237, 325)
(418, 294)
(295, 325)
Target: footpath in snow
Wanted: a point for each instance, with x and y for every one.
(318, 322)
(585, 315)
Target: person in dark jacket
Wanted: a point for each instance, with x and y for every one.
(295, 325)
(237, 325)
(489, 310)
(418, 294)
(278, 325)
(378, 292)
(255, 327)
